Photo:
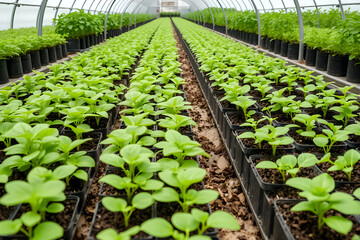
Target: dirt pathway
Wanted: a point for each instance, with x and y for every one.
(220, 174)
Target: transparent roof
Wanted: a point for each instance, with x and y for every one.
(24, 13)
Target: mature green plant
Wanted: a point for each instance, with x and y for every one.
(320, 200)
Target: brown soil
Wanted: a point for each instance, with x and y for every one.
(340, 175)
(106, 219)
(303, 225)
(220, 174)
(91, 200)
(5, 212)
(274, 176)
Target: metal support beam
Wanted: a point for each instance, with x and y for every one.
(301, 29)
(40, 17)
(122, 15)
(82, 6)
(226, 22)
(72, 6)
(57, 9)
(97, 6)
(272, 6)
(13, 15)
(342, 10)
(132, 12)
(101, 9)
(91, 5)
(106, 19)
(318, 13)
(244, 5)
(284, 5)
(258, 20)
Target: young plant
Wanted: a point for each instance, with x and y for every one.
(290, 164)
(183, 180)
(322, 103)
(346, 163)
(180, 146)
(244, 102)
(309, 122)
(141, 201)
(320, 200)
(37, 146)
(111, 233)
(135, 163)
(330, 136)
(79, 130)
(274, 136)
(42, 196)
(174, 122)
(233, 90)
(173, 106)
(197, 220)
(346, 110)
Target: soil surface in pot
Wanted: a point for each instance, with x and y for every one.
(340, 175)
(5, 211)
(106, 219)
(274, 176)
(63, 218)
(88, 146)
(303, 225)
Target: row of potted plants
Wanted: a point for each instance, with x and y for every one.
(262, 147)
(332, 48)
(22, 50)
(47, 175)
(83, 29)
(153, 184)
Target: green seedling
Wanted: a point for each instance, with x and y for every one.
(320, 200)
(290, 164)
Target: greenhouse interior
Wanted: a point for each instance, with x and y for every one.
(180, 119)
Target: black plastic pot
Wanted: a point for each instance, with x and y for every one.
(68, 232)
(337, 65)
(82, 194)
(271, 45)
(44, 57)
(52, 54)
(321, 60)
(293, 51)
(35, 60)
(82, 43)
(26, 63)
(58, 49)
(281, 230)
(87, 41)
(353, 71)
(310, 58)
(4, 76)
(263, 42)
(284, 48)
(254, 39)
(64, 50)
(277, 48)
(96, 216)
(92, 40)
(14, 67)
(267, 43)
(73, 44)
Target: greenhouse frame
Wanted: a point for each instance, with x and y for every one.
(180, 119)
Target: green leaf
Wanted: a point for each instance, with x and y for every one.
(55, 208)
(339, 224)
(185, 222)
(142, 200)
(221, 219)
(166, 194)
(157, 227)
(205, 196)
(8, 227)
(30, 219)
(64, 171)
(81, 174)
(114, 204)
(267, 165)
(48, 231)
